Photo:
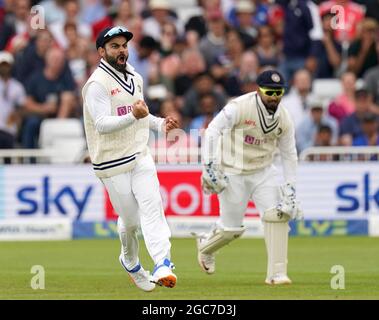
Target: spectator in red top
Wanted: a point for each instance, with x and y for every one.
(15, 23)
(348, 18)
(344, 104)
(121, 17)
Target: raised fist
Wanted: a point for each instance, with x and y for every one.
(140, 109)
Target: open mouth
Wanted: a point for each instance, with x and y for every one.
(121, 59)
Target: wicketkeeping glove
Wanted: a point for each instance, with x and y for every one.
(213, 180)
(288, 204)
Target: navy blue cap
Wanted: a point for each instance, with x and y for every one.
(271, 79)
(109, 33)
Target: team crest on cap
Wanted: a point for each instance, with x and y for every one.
(275, 77)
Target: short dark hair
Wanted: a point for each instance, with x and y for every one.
(148, 43)
(324, 128)
(369, 117)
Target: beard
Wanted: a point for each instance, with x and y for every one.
(271, 106)
(119, 63)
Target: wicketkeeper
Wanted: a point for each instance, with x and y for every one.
(239, 147)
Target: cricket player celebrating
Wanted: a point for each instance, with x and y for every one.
(239, 146)
(117, 123)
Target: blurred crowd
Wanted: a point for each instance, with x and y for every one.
(194, 56)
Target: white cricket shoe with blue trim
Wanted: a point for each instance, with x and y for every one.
(162, 274)
(139, 276)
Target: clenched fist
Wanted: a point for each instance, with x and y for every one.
(140, 109)
(170, 123)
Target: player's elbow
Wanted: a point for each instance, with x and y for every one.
(101, 128)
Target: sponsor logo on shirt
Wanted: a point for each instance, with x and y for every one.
(250, 123)
(123, 110)
(254, 141)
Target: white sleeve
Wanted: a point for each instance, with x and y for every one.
(99, 107)
(287, 147)
(225, 119)
(156, 123)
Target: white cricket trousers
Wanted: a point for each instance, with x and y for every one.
(136, 199)
(261, 187)
(264, 189)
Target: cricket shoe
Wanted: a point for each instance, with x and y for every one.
(278, 279)
(207, 261)
(140, 277)
(162, 274)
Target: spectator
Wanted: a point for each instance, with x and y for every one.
(259, 14)
(296, 100)
(160, 14)
(276, 17)
(139, 57)
(362, 52)
(344, 104)
(92, 59)
(351, 126)
(324, 136)
(306, 133)
(371, 78)
(204, 83)
(54, 11)
(208, 112)
(297, 43)
(329, 55)
(32, 58)
(72, 11)
(315, 35)
(168, 39)
(192, 64)
(242, 79)
(50, 93)
(369, 136)
(75, 53)
(117, 16)
(230, 60)
(12, 98)
(266, 49)
(352, 15)
(213, 44)
(246, 27)
(94, 10)
(15, 23)
(169, 69)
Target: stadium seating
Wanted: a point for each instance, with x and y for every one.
(66, 136)
(327, 89)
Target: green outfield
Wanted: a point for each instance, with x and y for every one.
(89, 269)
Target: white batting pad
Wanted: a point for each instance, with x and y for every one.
(219, 238)
(276, 238)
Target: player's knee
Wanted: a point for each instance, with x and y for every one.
(274, 216)
(123, 225)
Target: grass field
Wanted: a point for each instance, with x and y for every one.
(89, 269)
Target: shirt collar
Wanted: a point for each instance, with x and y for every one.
(129, 68)
(264, 110)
